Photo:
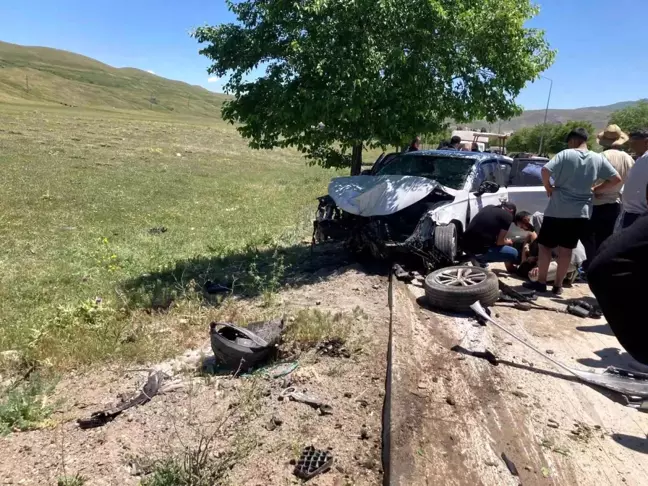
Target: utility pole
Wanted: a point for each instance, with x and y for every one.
(27, 82)
(544, 125)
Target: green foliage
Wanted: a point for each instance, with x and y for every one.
(528, 139)
(340, 75)
(127, 178)
(25, 406)
(76, 480)
(632, 118)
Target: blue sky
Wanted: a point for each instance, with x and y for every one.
(600, 43)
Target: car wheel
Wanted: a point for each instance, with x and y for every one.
(457, 288)
(445, 240)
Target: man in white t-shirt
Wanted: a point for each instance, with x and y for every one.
(634, 192)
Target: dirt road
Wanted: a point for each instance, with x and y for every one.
(456, 414)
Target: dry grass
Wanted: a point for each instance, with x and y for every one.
(312, 326)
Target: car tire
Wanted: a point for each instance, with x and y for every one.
(445, 240)
(457, 288)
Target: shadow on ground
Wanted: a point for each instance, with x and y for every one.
(599, 328)
(249, 273)
(638, 444)
(608, 357)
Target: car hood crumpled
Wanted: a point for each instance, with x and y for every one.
(380, 195)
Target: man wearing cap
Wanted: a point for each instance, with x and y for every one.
(634, 193)
(606, 205)
(574, 172)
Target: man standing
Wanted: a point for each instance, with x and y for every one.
(570, 198)
(607, 203)
(634, 193)
(485, 237)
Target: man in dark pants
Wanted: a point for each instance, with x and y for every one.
(485, 237)
(574, 172)
(607, 203)
(616, 277)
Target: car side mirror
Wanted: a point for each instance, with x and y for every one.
(487, 187)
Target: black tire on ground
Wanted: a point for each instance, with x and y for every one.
(457, 288)
(445, 240)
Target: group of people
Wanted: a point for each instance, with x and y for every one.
(454, 143)
(589, 194)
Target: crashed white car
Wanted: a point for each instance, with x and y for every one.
(422, 201)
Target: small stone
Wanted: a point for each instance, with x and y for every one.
(509, 343)
(183, 321)
(364, 434)
(496, 315)
(318, 302)
(347, 395)
(528, 468)
(338, 426)
(450, 401)
(435, 379)
(422, 386)
(519, 394)
(550, 351)
(376, 286)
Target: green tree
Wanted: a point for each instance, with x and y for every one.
(342, 75)
(631, 118)
(554, 137)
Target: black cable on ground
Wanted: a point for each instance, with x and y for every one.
(386, 411)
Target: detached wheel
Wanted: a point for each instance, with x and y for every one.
(445, 240)
(457, 288)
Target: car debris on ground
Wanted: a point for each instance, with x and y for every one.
(313, 462)
(291, 393)
(154, 385)
(243, 348)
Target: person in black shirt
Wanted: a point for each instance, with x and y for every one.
(485, 237)
(616, 277)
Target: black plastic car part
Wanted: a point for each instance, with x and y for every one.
(313, 462)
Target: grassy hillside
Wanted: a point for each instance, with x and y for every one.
(43, 75)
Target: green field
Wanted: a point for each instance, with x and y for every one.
(83, 198)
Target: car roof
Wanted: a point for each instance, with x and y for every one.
(462, 154)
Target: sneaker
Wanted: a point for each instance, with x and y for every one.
(557, 291)
(537, 286)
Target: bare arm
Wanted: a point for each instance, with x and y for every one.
(612, 181)
(546, 182)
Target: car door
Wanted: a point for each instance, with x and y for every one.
(492, 170)
(525, 188)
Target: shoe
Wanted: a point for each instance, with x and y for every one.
(557, 291)
(537, 286)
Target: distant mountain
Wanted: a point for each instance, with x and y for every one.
(44, 75)
(598, 115)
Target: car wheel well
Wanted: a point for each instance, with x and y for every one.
(458, 225)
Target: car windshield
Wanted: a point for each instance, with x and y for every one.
(447, 171)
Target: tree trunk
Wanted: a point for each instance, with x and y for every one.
(356, 160)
